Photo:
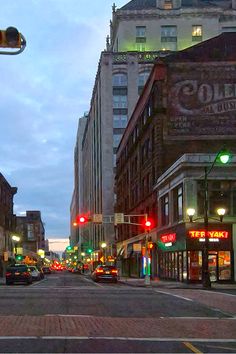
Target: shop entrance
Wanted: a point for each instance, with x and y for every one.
(212, 265)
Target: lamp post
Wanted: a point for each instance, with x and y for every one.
(222, 157)
(16, 239)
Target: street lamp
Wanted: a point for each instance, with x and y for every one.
(223, 157)
(15, 239)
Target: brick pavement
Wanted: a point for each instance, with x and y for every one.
(117, 327)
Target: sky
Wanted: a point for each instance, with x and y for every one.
(44, 91)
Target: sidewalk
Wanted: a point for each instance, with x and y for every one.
(137, 282)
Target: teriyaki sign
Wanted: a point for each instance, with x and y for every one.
(201, 101)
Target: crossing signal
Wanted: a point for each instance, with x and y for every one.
(10, 38)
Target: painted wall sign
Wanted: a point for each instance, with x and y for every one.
(168, 238)
(211, 234)
(202, 101)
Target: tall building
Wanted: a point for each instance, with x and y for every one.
(76, 206)
(140, 31)
(183, 119)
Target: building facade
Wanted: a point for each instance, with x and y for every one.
(187, 106)
(140, 31)
(76, 206)
(31, 230)
(180, 240)
(7, 222)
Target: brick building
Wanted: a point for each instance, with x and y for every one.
(7, 219)
(187, 106)
(31, 228)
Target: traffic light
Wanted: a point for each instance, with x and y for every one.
(147, 224)
(19, 257)
(89, 250)
(82, 220)
(150, 245)
(10, 38)
(223, 156)
(69, 248)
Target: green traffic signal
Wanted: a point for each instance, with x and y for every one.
(19, 257)
(89, 250)
(69, 248)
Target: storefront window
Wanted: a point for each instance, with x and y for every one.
(224, 261)
(194, 265)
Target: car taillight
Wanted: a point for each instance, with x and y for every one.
(114, 271)
(8, 274)
(99, 270)
(26, 273)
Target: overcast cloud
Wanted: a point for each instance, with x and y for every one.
(44, 91)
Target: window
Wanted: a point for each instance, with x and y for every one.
(220, 194)
(229, 29)
(169, 38)
(165, 210)
(168, 5)
(142, 78)
(140, 31)
(178, 203)
(119, 101)
(119, 121)
(119, 79)
(197, 33)
(30, 232)
(140, 47)
(116, 140)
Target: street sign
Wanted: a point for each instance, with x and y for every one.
(5, 256)
(118, 218)
(97, 218)
(137, 247)
(102, 259)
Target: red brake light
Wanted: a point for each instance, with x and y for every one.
(8, 274)
(99, 270)
(115, 271)
(26, 273)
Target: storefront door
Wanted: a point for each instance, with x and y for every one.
(212, 264)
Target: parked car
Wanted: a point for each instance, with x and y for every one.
(46, 270)
(105, 272)
(35, 273)
(18, 273)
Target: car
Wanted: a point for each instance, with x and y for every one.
(105, 272)
(18, 273)
(46, 270)
(36, 275)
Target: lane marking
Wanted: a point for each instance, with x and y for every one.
(93, 282)
(178, 296)
(218, 292)
(148, 339)
(192, 348)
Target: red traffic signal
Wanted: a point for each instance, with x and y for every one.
(147, 224)
(81, 220)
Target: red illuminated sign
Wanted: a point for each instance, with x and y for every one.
(211, 234)
(168, 238)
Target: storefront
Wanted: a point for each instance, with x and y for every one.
(180, 253)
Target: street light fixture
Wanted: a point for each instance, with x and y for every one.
(15, 239)
(223, 157)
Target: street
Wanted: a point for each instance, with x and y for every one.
(66, 313)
